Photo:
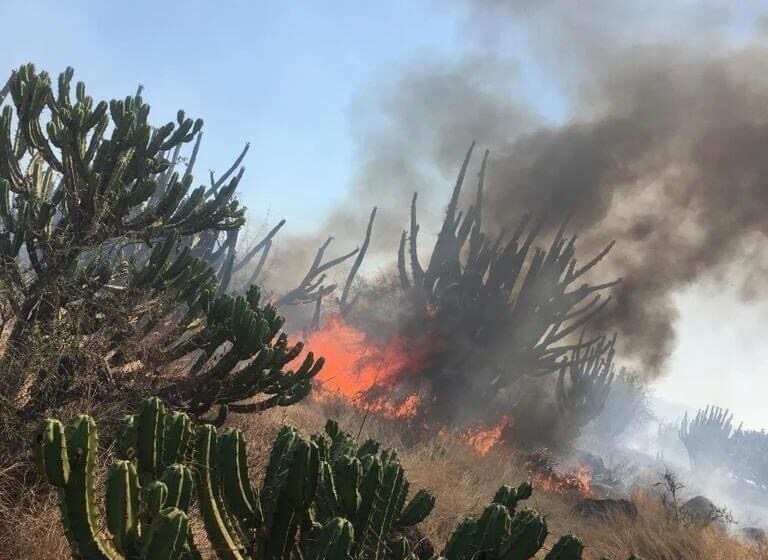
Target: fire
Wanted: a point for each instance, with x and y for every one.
(356, 366)
(483, 440)
(579, 483)
(545, 475)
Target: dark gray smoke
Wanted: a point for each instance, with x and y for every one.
(659, 140)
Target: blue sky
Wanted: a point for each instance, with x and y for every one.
(286, 75)
(278, 74)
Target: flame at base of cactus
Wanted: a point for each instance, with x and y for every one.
(370, 373)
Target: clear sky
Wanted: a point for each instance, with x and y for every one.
(281, 75)
(284, 76)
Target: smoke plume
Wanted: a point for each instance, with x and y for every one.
(646, 125)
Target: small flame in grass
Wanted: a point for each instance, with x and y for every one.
(545, 475)
(579, 482)
(483, 440)
(355, 366)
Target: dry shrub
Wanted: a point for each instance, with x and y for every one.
(30, 526)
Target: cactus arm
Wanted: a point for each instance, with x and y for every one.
(457, 547)
(50, 452)
(78, 504)
(334, 541)
(509, 496)
(238, 491)
(127, 437)
(417, 509)
(215, 525)
(178, 435)
(277, 470)
(567, 547)
(369, 486)
(155, 497)
(348, 472)
(151, 436)
(387, 504)
(178, 481)
(492, 528)
(123, 506)
(527, 533)
(293, 505)
(167, 535)
(327, 503)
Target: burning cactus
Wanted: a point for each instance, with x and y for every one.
(498, 307)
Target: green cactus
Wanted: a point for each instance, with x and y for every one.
(256, 363)
(93, 216)
(235, 515)
(98, 176)
(567, 548)
(155, 439)
(334, 540)
(498, 534)
(141, 523)
(321, 498)
(368, 486)
(509, 496)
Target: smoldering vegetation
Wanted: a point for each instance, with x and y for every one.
(650, 134)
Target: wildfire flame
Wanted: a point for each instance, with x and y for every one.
(579, 482)
(368, 372)
(356, 365)
(483, 440)
(545, 475)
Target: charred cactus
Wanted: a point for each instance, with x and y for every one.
(500, 297)
(590, 375)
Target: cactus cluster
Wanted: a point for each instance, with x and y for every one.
(500, 295)
(242, 353)
(81, 184)
(147, 495)
(321, 498)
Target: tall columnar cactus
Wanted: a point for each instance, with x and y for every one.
(78, 180)
(245, 524)
(82, 185)
(144, 522)
(496, 300)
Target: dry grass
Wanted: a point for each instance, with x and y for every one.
(463, 482)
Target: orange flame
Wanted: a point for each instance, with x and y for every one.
(545, 475)
(483, 440)
(355, 365)
(579, 482)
